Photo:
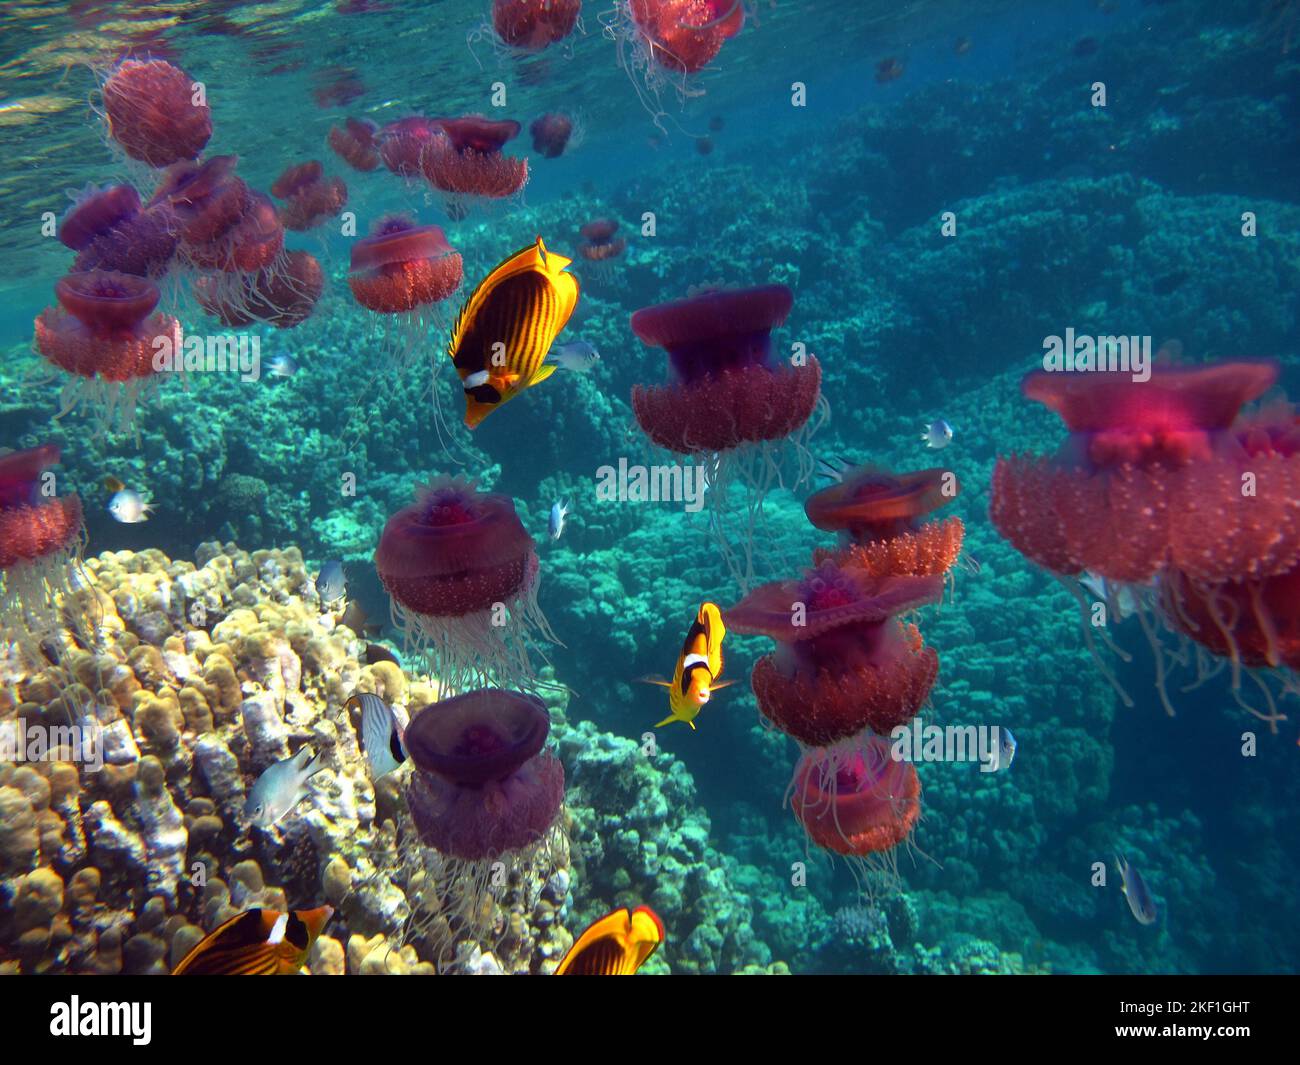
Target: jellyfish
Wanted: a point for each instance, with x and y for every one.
(156, 112)
(1252, 622)
(103, 332)
(553, 133)
(533, 25)
(662, 39)
(462, 574)
(465, 162)
(402, 271)
(1150, 475)
(862, 806)
(1150, 493)
(402, 144)
(309, 196)
(110, 230)
(844, 663)
(254, 241)
(41, 536)
(283, 297)
(485, 798)
(354, 142)
(879, 518)
(730, 402)
(601, 249)
(207, 199)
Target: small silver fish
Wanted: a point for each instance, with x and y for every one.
(282, 365)
(1136, 892)
(129, 507)
(331, 582)
(575, 355)
(1006, 751)
(1122, 598)
(382, 730)
(937, 435)
(555, 527)
(279, 789)
(832, 468)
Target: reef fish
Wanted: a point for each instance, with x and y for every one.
(331, 582)
(1136, 892)
(279, 788)
(382, 729)
(937, 435)
(576, 355)
(507, 326)
(1006, 752)
(257, 942)
(1121, 598)
(555, 527)
(129, 506)
(282, 365)
(698, 668)
(616, 945)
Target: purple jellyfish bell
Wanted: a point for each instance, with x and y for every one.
(483, 784)
(716, 330)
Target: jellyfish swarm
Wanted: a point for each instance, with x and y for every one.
(223, 224)
(104, 333)
(485, 800)
(464, 161)
(533, 25)
(462, 574)
(844, 662)
(155, 112)
(862, 806)
(600, 249)
(729, 402)
(658, 39)
(40, 541)
(879, 517)
(354, 142)
(1151, 475)
(309, 197)
(232, 237)
(110, 230)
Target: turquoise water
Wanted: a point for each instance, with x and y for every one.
(821, 150)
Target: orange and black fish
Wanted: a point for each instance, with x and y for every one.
(616, 945)
(698, 668)
(257, 942)
(508, 325)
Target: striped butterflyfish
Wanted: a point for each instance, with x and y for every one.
(507, 326)
(616, 945)
(699, 668)
(256, 942)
